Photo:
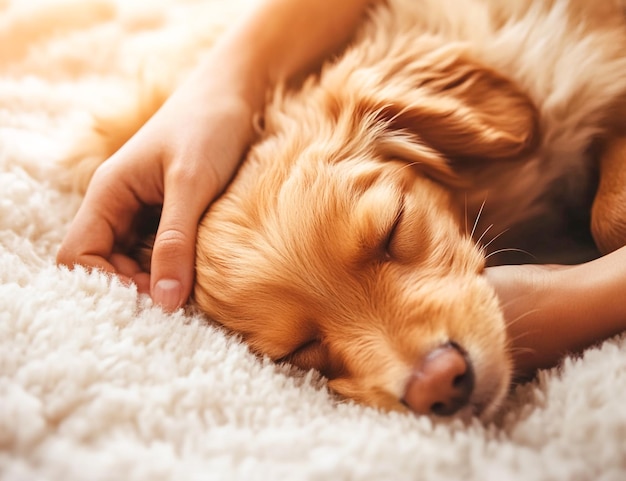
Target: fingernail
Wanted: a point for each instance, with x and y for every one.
(167, 294)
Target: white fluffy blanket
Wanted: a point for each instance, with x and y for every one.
(96, 384)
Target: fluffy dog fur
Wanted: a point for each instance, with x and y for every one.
(448, 132)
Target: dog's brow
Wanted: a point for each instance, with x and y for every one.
(375, 213)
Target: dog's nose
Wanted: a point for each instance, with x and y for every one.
(441, 383)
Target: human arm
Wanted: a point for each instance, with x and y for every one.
(184, 156)
(555, 310)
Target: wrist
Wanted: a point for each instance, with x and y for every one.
(237, 76)
(281, 41)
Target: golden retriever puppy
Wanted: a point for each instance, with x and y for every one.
(353, 238)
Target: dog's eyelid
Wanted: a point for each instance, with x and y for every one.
(388, 241)
(308, 344)
(303, 347)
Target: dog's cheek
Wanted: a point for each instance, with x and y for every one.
(349, 389)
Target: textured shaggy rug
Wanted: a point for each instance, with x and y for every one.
(96, 384)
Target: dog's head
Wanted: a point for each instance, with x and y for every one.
(339, 246)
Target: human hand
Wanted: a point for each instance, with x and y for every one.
(186, 153)
(181, 159)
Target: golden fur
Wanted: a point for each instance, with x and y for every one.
(347, 242)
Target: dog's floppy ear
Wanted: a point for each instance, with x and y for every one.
(456, 107)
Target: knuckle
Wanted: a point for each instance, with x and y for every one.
(192, 177)
(182, 175)
(104, 172)
(171, 242)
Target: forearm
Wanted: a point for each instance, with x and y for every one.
(555, 310)
(595, 298)
(282, 39)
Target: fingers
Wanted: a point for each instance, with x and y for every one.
(102, 223)
(173, 255)
(104, 216)
(129, 270)
(106, 220)
(180, 159)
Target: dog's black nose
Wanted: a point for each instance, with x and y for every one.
(441, 383)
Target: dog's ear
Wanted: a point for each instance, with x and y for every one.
(453, 106)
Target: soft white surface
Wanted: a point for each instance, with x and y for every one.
(96, 384)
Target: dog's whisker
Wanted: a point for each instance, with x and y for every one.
(510, 302)
(507, 304)
(517, 349)
(466, 227)
(495, 238)
(483, 234)
(510, 249)
(480, 211)
(522, 350)
(521, 317)
(521, 335)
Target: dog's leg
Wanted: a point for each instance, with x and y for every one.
(608, 215)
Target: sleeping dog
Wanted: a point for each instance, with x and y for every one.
(450, 135)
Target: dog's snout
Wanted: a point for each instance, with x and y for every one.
(442, 383)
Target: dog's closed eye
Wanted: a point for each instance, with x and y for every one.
(310, 355)
(388, 244)
(375, 221)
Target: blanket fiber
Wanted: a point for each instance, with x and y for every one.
(97, 384)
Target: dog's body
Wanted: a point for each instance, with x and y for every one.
(347, 241)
